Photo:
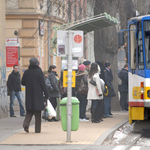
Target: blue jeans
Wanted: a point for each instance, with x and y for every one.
(107, 103)
(83, 102)
(12, 98)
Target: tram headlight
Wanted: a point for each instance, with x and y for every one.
(142, 90)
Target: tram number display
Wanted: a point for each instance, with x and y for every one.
(61, 49)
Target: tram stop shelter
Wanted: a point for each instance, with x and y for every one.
(89, 24)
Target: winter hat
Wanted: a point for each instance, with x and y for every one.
(86, 63)
(82, 67)
(45, 72)
(34, 61)
(107, 64)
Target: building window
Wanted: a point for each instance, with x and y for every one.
(69, 11)
(75, 12)
(80, 11)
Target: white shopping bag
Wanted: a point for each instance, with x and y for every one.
(50, 109)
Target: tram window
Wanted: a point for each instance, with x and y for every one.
(140, 46)
(147, 42)
(132, 47)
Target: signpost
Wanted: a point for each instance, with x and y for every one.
(12, 45)
(69, 43)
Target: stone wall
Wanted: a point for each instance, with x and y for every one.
(3, 89)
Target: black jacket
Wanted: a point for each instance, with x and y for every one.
(48, 84)
(123, 75)
(108, 82)
(33, 80)
(54, 83)
(102, 76)
(13, 82)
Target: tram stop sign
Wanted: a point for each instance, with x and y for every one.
(77, 43)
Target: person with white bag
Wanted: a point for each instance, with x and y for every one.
(55, 93)
(33, 80)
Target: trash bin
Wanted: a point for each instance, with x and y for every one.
(75, 114)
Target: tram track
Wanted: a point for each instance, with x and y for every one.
(134, 138)
(130, 136)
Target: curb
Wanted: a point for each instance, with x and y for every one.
(109, 134)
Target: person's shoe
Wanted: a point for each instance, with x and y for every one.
(125, 110)
(85, 120)
(13, 116)
(23, 115)
(101, 120)
(26, 129)
(96, 121)
(104, 117)
(54, 119)
(81, 120)
(49, 120)
(109, 116)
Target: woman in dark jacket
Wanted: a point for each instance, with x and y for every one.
(53, 80)
(111, 93)
(33, 80)
(82, 75)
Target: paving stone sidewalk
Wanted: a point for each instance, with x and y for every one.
(52, 133)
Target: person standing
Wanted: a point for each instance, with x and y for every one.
(111, 92)
(123, 88)
(55, 94)
(49, 87)
(101, 75)
(81, 78)
(33, 80)
(93, 95)
(14, 86)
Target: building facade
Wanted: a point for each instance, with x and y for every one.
(29, 18)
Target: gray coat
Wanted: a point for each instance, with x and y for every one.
(54, 83)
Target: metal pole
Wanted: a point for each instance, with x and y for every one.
(69, 102)
(49, 33)
(40, 52)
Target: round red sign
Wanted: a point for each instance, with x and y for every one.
(78, 38)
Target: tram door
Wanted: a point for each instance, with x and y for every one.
(136, 73)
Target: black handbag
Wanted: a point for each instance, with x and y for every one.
(111, 93)
(45, 114)
(93, 82)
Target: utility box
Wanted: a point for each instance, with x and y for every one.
(75, 114)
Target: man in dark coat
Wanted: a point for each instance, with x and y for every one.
(123, 88)
(33, 80)
(14, 86)
(55, 94)
(111, 93)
